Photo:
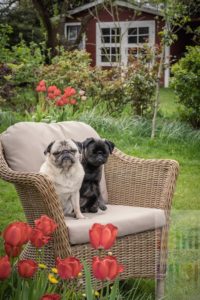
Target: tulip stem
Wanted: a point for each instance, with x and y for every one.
(3, 287)
(102, 287)
(107, 290)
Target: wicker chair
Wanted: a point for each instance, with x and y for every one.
(130, 181)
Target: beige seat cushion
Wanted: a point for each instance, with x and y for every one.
(24, 143)
(128, 219)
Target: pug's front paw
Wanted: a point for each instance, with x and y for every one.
(102, 207)
(80, 216)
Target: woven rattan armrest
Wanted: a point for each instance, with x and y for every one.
(35, 187)
(140, 182)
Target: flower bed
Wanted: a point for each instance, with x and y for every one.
(31, 279)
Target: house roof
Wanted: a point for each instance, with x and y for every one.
(144, 8)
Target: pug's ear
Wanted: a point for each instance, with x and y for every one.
(79, 145)
(49, 148)
(110, 145)
(88, 141)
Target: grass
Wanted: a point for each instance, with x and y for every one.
(168, 103)
(174, 140)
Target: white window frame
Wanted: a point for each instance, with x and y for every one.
(124, 45)
(70, 25)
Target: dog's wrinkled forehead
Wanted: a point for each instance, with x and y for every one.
(99, 145)
(61, 145)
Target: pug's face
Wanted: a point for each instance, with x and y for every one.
(62, 154)
(97, 151)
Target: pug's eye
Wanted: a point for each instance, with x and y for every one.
(73, 151)
(56, 153)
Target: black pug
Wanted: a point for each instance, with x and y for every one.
(95, 153)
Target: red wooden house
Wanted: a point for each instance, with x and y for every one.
(112, 32)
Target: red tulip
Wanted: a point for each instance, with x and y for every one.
(51, 297)
(53, 92)
(5, 267)
(69, 267)
(38, 239)
(69, 91)
(13, 251)
(66, 100)
(102, 236)
(27, 268)
(41, 87)
(59, 102)
(46, 225)
(62, 101)
(106, 268)
(73, 101)
(17, 233)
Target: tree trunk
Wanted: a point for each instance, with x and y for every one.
(157, 96)
(46, 20)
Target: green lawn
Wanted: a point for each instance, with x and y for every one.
(169, 103)
(174, 141)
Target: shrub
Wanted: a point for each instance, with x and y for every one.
(19, 66)
(186, 83)
(134, 85)
(140, 90)
(113, 88)
(68, 69)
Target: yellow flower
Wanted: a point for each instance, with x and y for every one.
(42, 266)
(52, 278)
(80, 274)
(54, 270)
(97, 293)
(84, 295)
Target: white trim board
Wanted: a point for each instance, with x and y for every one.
(143, 8)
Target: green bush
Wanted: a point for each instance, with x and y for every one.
(133, 85)
(111, 89)
(68, 69)
(19, 67)
(186, 83)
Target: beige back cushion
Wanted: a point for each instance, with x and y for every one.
(24, 143)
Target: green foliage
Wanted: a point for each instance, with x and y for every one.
(186, 83)
(112, 89)
(133, 85)
(24, 22)
(67, 69)
(5, 31)
(140, 88)
(19, 66)
(25, 63)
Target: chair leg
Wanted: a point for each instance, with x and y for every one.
(160, 289)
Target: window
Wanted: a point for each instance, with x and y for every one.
(71, 33)
(111, 35)
(110, 48)
(111, 54)
(116, 41)
(138, 35)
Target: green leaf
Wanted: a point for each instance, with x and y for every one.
(114, 291)
(88, 288)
